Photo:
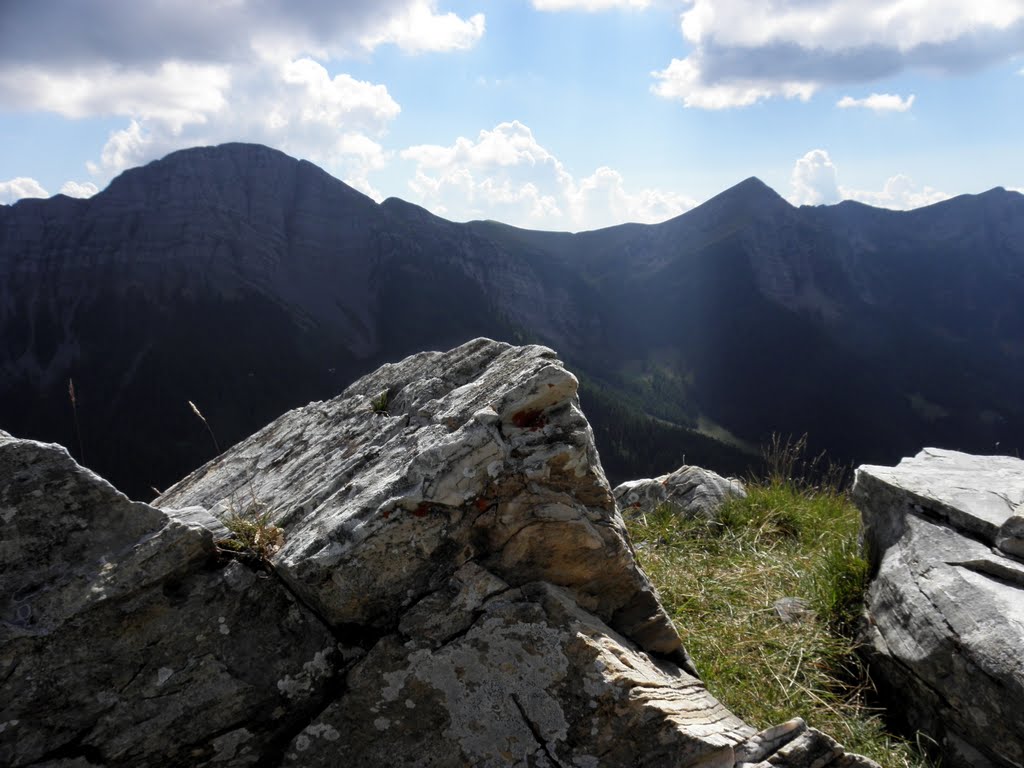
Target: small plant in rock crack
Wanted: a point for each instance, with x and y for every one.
(379, 404)
(254, 533)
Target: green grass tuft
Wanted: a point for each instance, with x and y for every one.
(719, 582)
(254, 533)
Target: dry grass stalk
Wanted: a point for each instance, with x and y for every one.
(202, 418)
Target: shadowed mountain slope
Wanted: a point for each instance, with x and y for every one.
(249, 283)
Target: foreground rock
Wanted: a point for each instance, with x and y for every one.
(125, 639)
(692, 491)
(455, 588)
(946, 606)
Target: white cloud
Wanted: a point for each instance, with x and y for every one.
(15, 189)
(506, 174)
(146, 33)
(177, 93)
(420, 28)
(745, 51)
(79, 189)
(899, 192)
(684, 81)
(879, 102)
(183, 74)
(839, 25)
(296, 106)
(815, 181)
(589, 5)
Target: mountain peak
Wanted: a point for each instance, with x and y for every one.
(751, 196)
(750, 190)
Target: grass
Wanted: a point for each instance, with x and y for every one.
(78, 428)
(719, 582)
(254, 533)
(199, 414)
(379, 404)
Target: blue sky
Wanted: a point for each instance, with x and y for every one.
(555, 114)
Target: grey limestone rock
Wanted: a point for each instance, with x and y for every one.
(126, 640)
(455, 588)
(693, 491)
(946, 606)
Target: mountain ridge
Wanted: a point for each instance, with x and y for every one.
(250, 282)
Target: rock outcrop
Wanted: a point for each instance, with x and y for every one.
(455, 587)
(946, 607)
(127, 639)
(692, 491)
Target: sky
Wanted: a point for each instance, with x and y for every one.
(548, 114)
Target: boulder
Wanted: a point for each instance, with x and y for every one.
(945, 634)
(692, 491)
(455, 587)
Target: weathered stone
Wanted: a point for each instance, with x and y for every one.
(461, 545)
(793, 745)
(483, 455)
(532, 680)
(126, 640)
(946, 607)
(1010, 538)
(692, 491)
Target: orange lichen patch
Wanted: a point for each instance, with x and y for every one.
(529, 419)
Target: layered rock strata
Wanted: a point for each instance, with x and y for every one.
(946, 605)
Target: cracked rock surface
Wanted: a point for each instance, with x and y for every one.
(946, 606)
(455, 588)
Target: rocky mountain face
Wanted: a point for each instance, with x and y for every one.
(249, 283)
(453, 585)
(945, 531)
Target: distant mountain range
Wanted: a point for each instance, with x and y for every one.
(248, 282)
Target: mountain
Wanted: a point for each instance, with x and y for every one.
(248, 282)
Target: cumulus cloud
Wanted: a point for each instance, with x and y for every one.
(506, 174)
(815, 181)
(745, 51)
(174, 92)
(182, 73)
(296, 106)
(420, 28)
(146, 33)
(878, 102)
(15, 189)
(899, 192)
(684, 80)
(79, 189)
(588, 5)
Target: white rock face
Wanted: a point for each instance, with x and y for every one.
(947, 602)
(692, 491)
(483, 456)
